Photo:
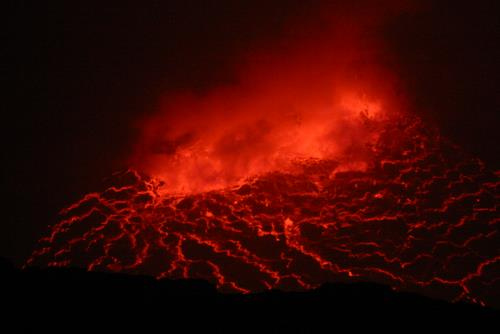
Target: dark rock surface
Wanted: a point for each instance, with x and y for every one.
(73, 300)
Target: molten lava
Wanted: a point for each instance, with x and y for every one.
(305, 170)
(422, 216)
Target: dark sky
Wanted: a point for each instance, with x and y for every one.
(78, 74)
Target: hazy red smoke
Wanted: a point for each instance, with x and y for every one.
(384, 198)
(318, 92)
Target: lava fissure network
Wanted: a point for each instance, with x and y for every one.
(421, 216)
(310, 167)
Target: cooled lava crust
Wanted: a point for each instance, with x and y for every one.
(421, 217)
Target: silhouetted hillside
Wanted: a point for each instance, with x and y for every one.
(69, 300)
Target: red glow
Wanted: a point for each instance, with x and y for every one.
(316, 96)
(309, 168)
(422, 216)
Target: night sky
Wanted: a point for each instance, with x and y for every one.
(77, 76)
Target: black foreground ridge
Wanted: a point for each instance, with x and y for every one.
(70, 299)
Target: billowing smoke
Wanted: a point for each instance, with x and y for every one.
(320, 91)
(334, 178)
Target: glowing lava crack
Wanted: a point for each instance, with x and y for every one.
(421, 217)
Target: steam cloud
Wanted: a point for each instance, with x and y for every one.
(319, 92)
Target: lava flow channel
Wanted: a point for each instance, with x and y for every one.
(421, 217)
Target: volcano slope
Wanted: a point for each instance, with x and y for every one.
(420, 217)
